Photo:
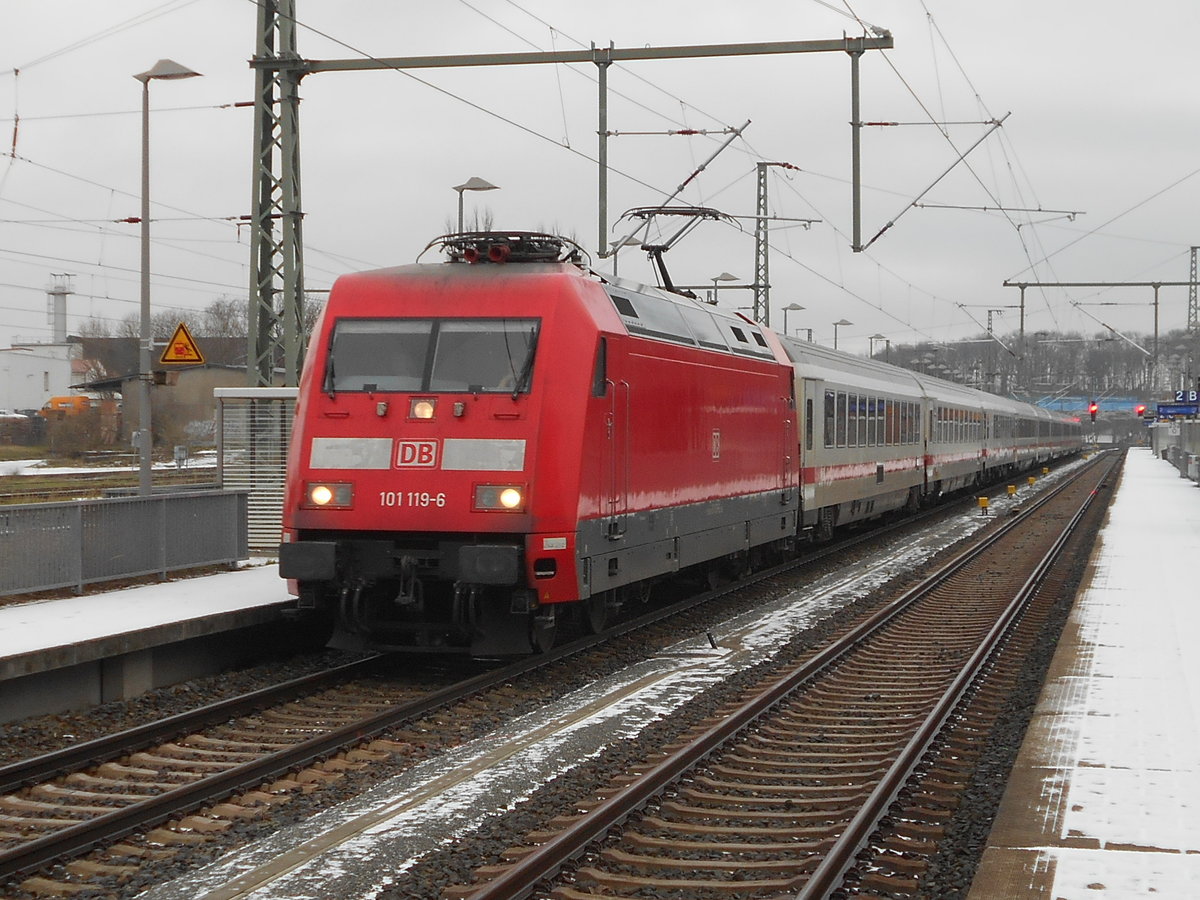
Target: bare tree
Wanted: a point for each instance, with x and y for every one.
(95, 328)
(224, 317)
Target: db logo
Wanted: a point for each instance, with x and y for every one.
(416, 454)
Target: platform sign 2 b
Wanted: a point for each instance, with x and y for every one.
(182, 348)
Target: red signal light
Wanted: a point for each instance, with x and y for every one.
(1093, 409)
(1140, 409)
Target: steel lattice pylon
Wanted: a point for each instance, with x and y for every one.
(762, 280)
(1192, 324)
(275, 335)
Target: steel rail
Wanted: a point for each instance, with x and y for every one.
(14, 776)
(832, 869)
(544, 861)
(88, 834)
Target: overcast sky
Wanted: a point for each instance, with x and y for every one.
(1104, 126)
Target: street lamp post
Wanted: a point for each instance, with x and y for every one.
(872, 339)
(837, 325)
(164, 69)
(471, 184)
(724, 276)
(615, 248)
(791, 307)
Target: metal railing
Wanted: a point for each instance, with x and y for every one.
(46, 546)
(254, 426)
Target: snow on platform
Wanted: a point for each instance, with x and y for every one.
(49, 634)
(1104, 800)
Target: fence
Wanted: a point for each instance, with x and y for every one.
(1178, 442)
(46, 546)
(254, 426)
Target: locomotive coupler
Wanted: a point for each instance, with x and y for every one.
(412, 589)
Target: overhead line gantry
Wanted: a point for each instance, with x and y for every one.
(277, 270)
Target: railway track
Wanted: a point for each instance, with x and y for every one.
(820, 781)
(47, 486)
(230, 769)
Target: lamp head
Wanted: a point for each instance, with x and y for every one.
(166, 69)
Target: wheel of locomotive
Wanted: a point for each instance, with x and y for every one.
(543, 625)
(712, 576)
(594, 613)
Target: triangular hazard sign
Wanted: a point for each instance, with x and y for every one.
(181, 348)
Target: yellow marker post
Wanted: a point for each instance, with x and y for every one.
(1032, 481)
(1045, 470)
(1012, 489)
(983, 506)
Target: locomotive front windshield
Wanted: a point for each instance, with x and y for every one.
(477, 356)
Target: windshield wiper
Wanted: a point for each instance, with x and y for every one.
(527, 368)
(329, 372)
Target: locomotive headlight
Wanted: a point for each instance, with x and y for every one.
(328, 495)
(500, 497)
(422, 407)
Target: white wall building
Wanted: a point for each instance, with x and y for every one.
(30, 374)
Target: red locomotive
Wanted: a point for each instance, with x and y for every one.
(485, 446)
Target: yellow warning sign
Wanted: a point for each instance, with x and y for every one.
(181, 348)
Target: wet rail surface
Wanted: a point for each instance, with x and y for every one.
(840, 771)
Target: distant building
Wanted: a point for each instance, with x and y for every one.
(32, 373)
(183, 403)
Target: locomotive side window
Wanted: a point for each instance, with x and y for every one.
(449, 355)
(704, 328)
(600, 374)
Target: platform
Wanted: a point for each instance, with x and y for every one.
(65, 653)
(1104, 800)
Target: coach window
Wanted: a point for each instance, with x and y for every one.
(808, 423)
(830, 418)
(864, 419)
(851, 420)
(841, 419)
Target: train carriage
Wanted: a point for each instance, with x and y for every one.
(860, 438)
(487, 445)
